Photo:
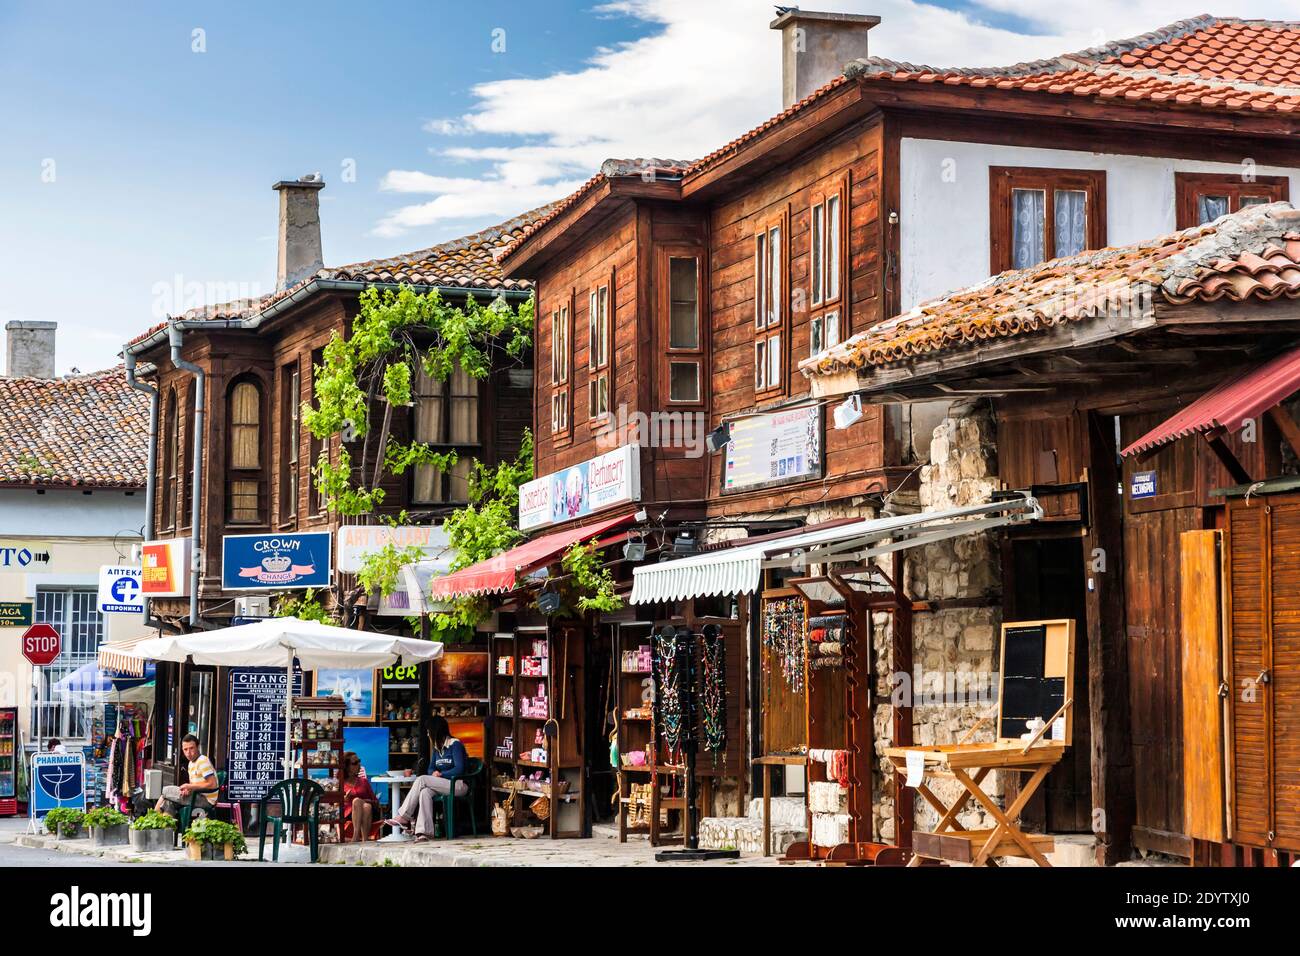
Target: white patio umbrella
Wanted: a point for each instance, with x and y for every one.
(276, 641)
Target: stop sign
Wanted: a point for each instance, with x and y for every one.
(41, 645)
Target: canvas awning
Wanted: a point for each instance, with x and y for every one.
(738, 569)
(499, 574)
(120, 656)
(1226, 406)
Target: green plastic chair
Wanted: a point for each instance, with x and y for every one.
(472, 776)
(299, 801)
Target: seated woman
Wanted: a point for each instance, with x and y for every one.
(447, 764)
(360, 805)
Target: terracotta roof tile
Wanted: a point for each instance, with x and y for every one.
(86, 431)
(1251, 254)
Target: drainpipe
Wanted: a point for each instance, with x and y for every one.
(176, 337)
(152, 392)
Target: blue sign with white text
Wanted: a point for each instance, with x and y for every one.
(58, 780)
(1142, 484)
(254, 562)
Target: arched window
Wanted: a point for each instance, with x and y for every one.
(244, 471)
(170, 428)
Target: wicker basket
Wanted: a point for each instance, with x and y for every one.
(558, 788)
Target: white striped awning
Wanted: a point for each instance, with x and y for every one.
(121, 656)
(738, 569)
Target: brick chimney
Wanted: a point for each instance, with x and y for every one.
(29, 349)
(299, 250)
(815, 48)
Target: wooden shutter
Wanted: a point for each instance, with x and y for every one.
(1203, 790)
(1282, 692)
(1248, 537)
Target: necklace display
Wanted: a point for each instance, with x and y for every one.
(783, 636)
(714, 692)
(669, 675)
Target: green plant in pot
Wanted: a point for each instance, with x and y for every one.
(204, 836)
(107, 826)
(65, 822)
(153, 832)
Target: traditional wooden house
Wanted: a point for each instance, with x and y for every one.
(696, 289)
(231, 462)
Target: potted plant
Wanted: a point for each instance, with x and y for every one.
(108, 827)
(153, 832)
(204, 837)
(65, 823)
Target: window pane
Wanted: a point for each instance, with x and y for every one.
(592, 319)
(1026, 227)
(562, 350)
(428, 484)
(760, 365)
(832, 331)
(1071, 215)
(684, 381)
(1210, 208)
(774, 275)
(832, 247)
(245, 412)
(463, 426)
(815, 263)
(243, 501)
(816, 339)
(774, 362)
(557, 346)
(604, 327)
(458, 479)
(1254, 201)
(683, 295)
(760, 280)
(604, 394)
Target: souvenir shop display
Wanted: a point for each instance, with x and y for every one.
(8, 761)
(316, 741)
(399, 711)
(826, 640)
(124, 743)
(534, 681)
(672, 661)
(784, 638)
(713, 692)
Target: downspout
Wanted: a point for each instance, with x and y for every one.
(176, 337)
(152, 392)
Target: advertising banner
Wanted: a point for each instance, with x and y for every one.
(775, 448)
(586, 488)
(166, 568)
(252, 562)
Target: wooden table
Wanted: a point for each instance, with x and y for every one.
(767, 763)
(969, 764)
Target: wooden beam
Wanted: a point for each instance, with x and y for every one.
(1287, 426)
(1222, 452)
(1113, 791)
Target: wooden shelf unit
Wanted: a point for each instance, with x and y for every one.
(563, 687)
(307, 737)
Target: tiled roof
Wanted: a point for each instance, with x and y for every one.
(1207, 62)
(609, 169)
(87, 431)
(1251, 254)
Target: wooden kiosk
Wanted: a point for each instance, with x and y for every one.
(1034, 727)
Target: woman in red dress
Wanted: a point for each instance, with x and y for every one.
(360, 805)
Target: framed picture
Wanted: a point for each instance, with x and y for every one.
(359, 688)
(472, 733)
(459, 675)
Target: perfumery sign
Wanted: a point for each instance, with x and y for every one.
(774, 448)
(586, 488)
(251, 562)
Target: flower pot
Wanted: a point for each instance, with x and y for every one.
(66, 834)
(194, 851)
(152, 841)
(229, 850)
(110, 836)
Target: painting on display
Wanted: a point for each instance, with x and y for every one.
(357, 686)
(471, 733)
(459, 675)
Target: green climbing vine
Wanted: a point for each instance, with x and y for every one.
(305, 607)
(590, 583)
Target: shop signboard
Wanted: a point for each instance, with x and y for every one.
(254, 562)
(15, 613)
(58, 780)
(24, 556)
(1142, 484)
(255, 743)
(775, 448)
(165, 568)
(119, 590)
(355, 542)
(586, 488)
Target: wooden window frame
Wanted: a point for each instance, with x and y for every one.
(317, 504)
(1004, 180)
(771, 324)
(600, 364)
(171, 436)
(1188, 186)
(185, 467)
(290, 440)
(664, 256)
(465, 450)
(561, 396)
(257, 474)
(822, 303)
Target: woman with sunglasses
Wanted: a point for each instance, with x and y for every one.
(360, 805)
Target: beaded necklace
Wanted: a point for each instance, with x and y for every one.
(714, 692)
(783, 636)
(669, 677)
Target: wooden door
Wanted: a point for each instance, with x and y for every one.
(1202, 677)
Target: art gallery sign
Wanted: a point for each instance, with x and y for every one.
(583, 489)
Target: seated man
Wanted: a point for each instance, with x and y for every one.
(448, 764)
(203, 779)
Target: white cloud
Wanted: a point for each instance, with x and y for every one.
(710, 72)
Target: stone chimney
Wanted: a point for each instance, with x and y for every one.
(29, 351)
(299, 250)
(815, 48)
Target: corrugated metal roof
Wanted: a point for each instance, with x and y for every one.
(1228, 405)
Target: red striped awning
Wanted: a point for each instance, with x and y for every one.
(1226, 406)
(499, 574)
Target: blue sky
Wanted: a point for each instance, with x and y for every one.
(130, 163)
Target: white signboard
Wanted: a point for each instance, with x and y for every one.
(356, 541)
(24, 556)
(774, 448)
(120, 590)
(586, 488)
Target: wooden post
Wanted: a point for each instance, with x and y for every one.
(1108, 681)
(901, 632)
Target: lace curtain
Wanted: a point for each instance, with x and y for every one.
(1027, 227)
(1071, 226)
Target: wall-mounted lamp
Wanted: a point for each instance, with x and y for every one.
(634, 550)
(848, 411)
(717, 439)
(548, 601)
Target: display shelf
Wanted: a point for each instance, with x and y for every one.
(315, 737)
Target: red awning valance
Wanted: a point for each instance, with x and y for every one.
(1226, 406)
(497, 575)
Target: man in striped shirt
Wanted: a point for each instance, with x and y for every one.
(203, 779)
